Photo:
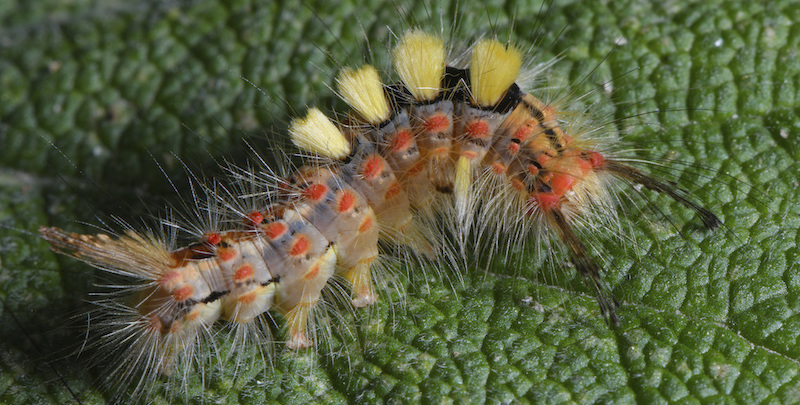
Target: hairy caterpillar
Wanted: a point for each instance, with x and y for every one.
(591, 315)
(452, 143)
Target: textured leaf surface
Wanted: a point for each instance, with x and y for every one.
(98, 98)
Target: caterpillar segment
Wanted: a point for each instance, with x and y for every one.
(445, 144)
(388, 130)
(344, 217)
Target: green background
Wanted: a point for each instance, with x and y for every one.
(97, 98)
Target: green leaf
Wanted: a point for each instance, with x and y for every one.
(98, 98)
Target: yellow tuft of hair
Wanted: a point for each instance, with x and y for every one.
(419, 61)
(493, 69)
(317, 134)
(461, 186)
(363, 91)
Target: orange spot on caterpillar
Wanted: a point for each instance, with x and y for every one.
(183, 293)
(300, 246)
(561, 183)
(255, 218)
(154, 323)
(584, 165)
(366, 224)
(312, 273)
(170, 277)
(546, 201)
(346, 202)
(393, 191)
(243, 273)
(214, 239)
(477, 129)
(440, 151)
(525, 131)
(513, 147)
(498, 168)
(469, 155)
(372, 167)
(596, 159)
(247, 298)
(532, 169)
(436, 123)
(226, 254)
(401, 141)
(315, 192)
(275, 230)
(543, 158)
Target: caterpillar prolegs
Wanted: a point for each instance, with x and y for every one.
(416, 164)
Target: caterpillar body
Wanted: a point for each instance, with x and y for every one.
(414, 165)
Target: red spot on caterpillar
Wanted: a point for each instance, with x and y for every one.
(346, 202)
(226, 254)
(172, 276)
(312, 272)
(255, 218)
(498, 168)
(183, 293)
(247, 298)
(300, 246)
(154, 323)
(440, 151)
(513, 147)
(561, 183)
(525, 131)
(584, 165)
(477, 129)
(546, 201)
(315, 192)
(437, 123)
(372, 167)
(401, 141)
(596, 159)
(243, 273)
(393, 191)
(469, 155)
(366, 224)
(532, 169)
(543, 158)
(275, 230)
(214, 239)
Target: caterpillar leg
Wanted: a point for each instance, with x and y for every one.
(360, 277)
(298, 292)
(297, 320)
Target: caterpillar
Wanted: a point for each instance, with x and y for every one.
(462, 220)
(447, 142)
